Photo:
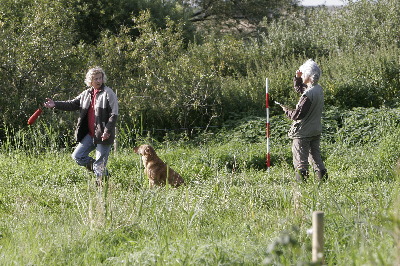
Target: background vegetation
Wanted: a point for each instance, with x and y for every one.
(171, 72)
(191, 82)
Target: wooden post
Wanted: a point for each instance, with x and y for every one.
(318, 237)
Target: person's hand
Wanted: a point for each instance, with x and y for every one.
(299, 73)
(105, 136)
(49, 103)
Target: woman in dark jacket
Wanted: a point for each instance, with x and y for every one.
(98, 112)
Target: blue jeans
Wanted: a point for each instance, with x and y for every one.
(81, 155)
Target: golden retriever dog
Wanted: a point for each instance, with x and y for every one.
(156, 170)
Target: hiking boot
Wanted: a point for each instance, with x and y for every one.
(301, 175)
(322, 175)
(99, 182)
(105, 177)
(89, 165)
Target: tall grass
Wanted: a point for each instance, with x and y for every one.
(232, 211)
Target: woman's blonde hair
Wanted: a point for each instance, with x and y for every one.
(92, 72)
(312, 70)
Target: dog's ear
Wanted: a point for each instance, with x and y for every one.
(136, 149)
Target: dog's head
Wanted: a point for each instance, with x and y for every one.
(144, 150)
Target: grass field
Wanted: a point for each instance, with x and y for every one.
(231, 212)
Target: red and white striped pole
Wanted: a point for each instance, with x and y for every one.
(267, 127)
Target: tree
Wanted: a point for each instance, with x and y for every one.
(252, 10)
(90, 18)
(36, 56)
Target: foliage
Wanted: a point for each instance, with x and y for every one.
(166, 82)
(373, 81)
(367, 125)
(358, 27)
(36, 57)
(252, 10)
(91, 18)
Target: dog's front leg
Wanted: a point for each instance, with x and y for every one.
(151, 183)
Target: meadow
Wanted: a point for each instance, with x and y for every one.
(231, 212)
